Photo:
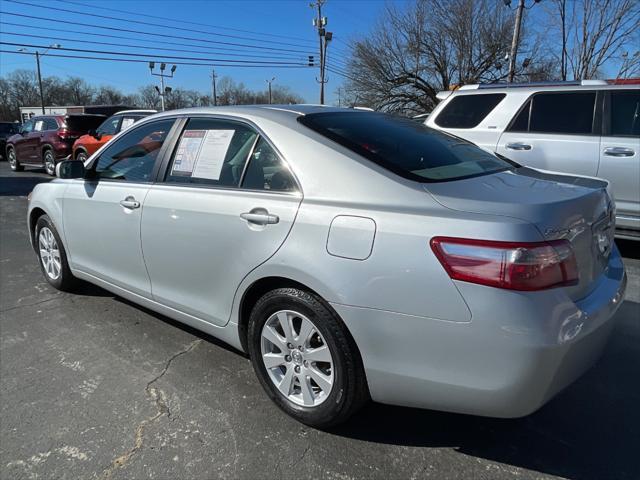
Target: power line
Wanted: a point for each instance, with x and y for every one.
(140, 22)
(154, 41)
(133, 60)
(74, 40)
(154, 56)
(196, 23)
(162, 35)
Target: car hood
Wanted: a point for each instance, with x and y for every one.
(578, 209)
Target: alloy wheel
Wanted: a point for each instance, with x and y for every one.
(49, 163)
(297, 358)
(12, 158)
(49, 253)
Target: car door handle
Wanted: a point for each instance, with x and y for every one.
(518, 146)
(619, 152)
(260, 216)
(130, 202)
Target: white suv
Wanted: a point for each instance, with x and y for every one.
(586, 128)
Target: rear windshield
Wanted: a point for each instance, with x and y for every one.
(83, 123)
(8, 128)
(405, 147)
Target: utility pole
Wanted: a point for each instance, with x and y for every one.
(213, 85)
(515, 40)
(269, 82)
(40, 81)
(339, 97)
(38, 54)
(320, 23)
(165, 90)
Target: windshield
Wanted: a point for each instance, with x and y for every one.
(8, 128)
(405, 147)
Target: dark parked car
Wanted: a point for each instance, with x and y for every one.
(6, 130)
(45, 140)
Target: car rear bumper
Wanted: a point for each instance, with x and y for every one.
(518, 351)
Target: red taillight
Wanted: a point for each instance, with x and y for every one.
(65, 134)
(509, 265)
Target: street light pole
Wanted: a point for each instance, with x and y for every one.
(162, 75)
(269, 82)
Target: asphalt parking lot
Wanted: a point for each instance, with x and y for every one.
(92, 386)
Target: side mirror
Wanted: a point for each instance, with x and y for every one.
(70, 169)
(95, 134)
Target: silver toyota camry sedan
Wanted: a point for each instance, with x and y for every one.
(353, 255)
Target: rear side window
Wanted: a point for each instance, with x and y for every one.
(132, 157)
(212, 152)
(467, 111)
(50, 124)
(568, 113)
(625, 113)
(405, 147)
(266, 171)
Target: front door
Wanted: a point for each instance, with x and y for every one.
(620, 153)
(23, 153)
(555, 131)
(225, 206)
(102, 213)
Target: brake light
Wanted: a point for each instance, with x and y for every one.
(508, 265)
(65, 134)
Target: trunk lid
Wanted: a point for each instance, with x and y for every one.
(578, 209)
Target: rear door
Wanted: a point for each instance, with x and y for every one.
(32, 141)
(224, 206)
(102, 214)
(557, 131)
(620, 153)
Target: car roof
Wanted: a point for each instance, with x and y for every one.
(281, 113)
(534, 87)
(129, 112)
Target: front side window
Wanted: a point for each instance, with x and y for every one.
(467, 111)
(132, 157)
(27, 127)
(405, 147)
(569, 113)
(625, 113)
(211, 152)
(109, 126)
(266, 171)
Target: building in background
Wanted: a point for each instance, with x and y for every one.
(27, 112)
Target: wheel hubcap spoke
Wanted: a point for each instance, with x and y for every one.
(49, 253)
(320, 354)
(297, 358)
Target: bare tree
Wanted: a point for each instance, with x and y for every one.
(595, 32)
(432, 45)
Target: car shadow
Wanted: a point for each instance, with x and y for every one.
(629, 248)
(17, 184)
(591, 430)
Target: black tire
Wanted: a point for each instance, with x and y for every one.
(49, 161)
(349, 391)
(81, 156)
(65, 281)
(14, 163)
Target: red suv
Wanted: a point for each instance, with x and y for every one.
(46, 139)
